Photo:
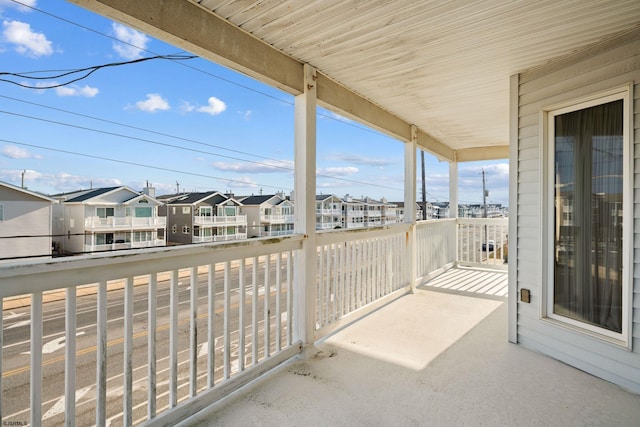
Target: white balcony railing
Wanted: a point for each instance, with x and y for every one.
(277, 233)
(134, 363)
(277, 219)
(220, 220)
(329, 211)
(219, 238)
(181, 361)
(372, 214)
(125, 245)
(483, 241)
(124, 222)
(355, 214)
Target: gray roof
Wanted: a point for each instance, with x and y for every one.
(91, 194)
(192, 198)
(257, 200)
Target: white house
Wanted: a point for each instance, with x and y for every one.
(25, 223)
(328, 212)
(268, 215)
(109, 218)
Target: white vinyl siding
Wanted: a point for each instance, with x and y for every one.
(25, 218)
(610, 65)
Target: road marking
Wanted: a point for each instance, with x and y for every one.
(18, 324)
(12, 315)
(54, 345)
(59, 406)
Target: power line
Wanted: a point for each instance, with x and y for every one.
(347, 123)
(87, 71)
(136, 164)
(274, 166)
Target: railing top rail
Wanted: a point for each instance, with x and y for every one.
(496, 221)
(48, 274)
(347, 235)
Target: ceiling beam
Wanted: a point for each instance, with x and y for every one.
(191, 27)
(495, 152)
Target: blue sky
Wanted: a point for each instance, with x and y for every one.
(190, 123)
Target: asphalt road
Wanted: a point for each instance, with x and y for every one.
(16, 345)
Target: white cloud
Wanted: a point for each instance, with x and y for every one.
(13, 152)
(26, 41)
(133, 42)
(239, 182)
(21, 7)
(246, 114)
(337, 171)
(359, 160)
(214, 107)
(74, 90)
(153, 103)
(59, 182)
(266, 166)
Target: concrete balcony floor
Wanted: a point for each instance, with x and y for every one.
(439, 357)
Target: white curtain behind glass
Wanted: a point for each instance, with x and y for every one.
(588, 215)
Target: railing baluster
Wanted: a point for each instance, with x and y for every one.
(278, 303)
(127, 405)
(289, 299)
(227, 323)
(267, 317)
(321, 299)
(173, 339)
(211, 323)
(193, 345)
(70, 357)
(151, 346)
(254, 311)
(241, 291)
(342, 278)
(328, 300)
(101, 356)
(36, 359)
(334, 283)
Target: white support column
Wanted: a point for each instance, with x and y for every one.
(453, 200)
(410, 204)
(305, 268)
(513, 207)
(453, 189)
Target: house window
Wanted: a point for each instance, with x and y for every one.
(174, 228)
(142, 236)
(588, 165)
(186, 229)
(205, 211)
(104, 238)
(186, 210)
(226, 210)
(144, 212)
(104, 212)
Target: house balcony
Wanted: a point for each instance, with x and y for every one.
(114, 223)
(373, 214)
(116, 246)
(220, 238)
(394, 320)
(329, 211)
(221, 220)
(355, 214)
(277, 219)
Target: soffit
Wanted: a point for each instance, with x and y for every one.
(443, 66)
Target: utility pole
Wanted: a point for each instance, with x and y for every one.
(424, 188)
(484, 196)
(484, 212)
